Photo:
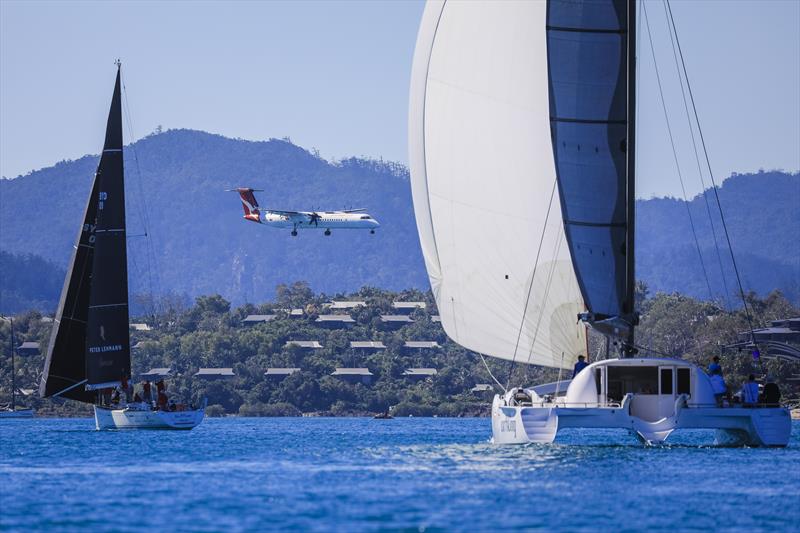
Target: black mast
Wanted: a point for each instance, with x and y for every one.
(629, 306)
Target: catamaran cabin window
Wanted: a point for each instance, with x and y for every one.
(683, 381)
(634, 379)
(666, 381)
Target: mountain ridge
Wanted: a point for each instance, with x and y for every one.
(199, 244)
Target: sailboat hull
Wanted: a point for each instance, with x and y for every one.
(17, 413)
(130, 418)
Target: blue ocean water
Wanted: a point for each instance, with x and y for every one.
(417, 474)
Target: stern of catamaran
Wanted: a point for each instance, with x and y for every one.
(649, 397)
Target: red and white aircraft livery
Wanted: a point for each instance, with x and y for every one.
(327, 220)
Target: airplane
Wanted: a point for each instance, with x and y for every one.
(327, 220)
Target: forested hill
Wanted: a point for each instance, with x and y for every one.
(199, 244)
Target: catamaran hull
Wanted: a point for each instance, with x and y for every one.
(106, 418)
(770, 426)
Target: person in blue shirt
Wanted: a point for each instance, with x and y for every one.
(580, 365)
(714, 367)
(750, 392)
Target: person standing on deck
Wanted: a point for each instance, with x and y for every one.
(718, 385)
(715, 366)
(580, 365)
(750, 392)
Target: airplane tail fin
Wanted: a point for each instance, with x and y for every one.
(249, 203)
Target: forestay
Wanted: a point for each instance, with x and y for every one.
(484, 183)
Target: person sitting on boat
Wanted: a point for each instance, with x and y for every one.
(580, 365)
(147, 392)
(718, 384)
(714, 366)
(162, 400)
(115, 396)
(772, 393)
(750, 392)
(521, 397)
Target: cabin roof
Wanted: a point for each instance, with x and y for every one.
(29, 345)
(420, 372)
(222, 372)
(396, 318)
(421, 344)
(409, 305)
(253, 319)
(642, 361)
(304, 344)
(377, 345)
(344, 371)
(347, 304)
(345, 319)
(281, 371)
(157, 373)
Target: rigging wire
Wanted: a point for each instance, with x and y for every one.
(492, 375)
(711, 174)
(726, 294)
(675, 153)
(530, 287)
(150, 255)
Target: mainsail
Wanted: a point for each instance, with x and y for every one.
(90, 343)
(484, 183)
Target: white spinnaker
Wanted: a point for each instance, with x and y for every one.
(483, 176)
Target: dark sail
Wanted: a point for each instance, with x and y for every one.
(108, 355)
(97, 273)
(589, 43)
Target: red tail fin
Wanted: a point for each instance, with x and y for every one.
(249, 204)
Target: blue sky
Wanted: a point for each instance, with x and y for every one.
(334, 76)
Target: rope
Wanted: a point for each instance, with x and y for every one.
(726, 294)
(675, 154)
(492, 375)
(711, 174)
(530, 288)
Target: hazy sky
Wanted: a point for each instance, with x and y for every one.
(334, 75)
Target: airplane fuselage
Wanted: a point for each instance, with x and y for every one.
(327, 220)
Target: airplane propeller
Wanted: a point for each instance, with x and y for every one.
(314, 219)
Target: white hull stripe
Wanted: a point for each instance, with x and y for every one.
(107, 305)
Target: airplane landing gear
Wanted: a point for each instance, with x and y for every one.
(327, 233)
(294, 233)
(372, 232)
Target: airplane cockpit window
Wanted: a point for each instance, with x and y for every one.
(365, 217)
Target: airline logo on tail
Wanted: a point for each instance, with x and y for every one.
(249, 203)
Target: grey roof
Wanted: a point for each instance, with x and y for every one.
(253, 319)
(349, 304)
(140, 326)
(377, 345)
(297, 311)
(29, 345)
(281, 371)
(304, 344)
(342, 371)
(396, 318)
(436, 318)
(409, 305)
(344, 319)
(215, 372)
(421, 344)
(157, 373)
(482, 387)
(46, 319)
(420, 372)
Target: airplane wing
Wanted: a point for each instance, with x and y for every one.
(289, 213)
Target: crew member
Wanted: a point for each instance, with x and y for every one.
(580, 365)
(750, 392)
(772, 394)
(718, 385)
(715, 366)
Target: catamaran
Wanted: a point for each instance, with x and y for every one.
(521, 146)
(89, 350)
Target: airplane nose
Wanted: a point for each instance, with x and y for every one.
(375, 223)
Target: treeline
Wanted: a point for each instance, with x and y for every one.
(209, 333)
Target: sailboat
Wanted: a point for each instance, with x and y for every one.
(89, 351)
(521, 147)
(11, 410)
